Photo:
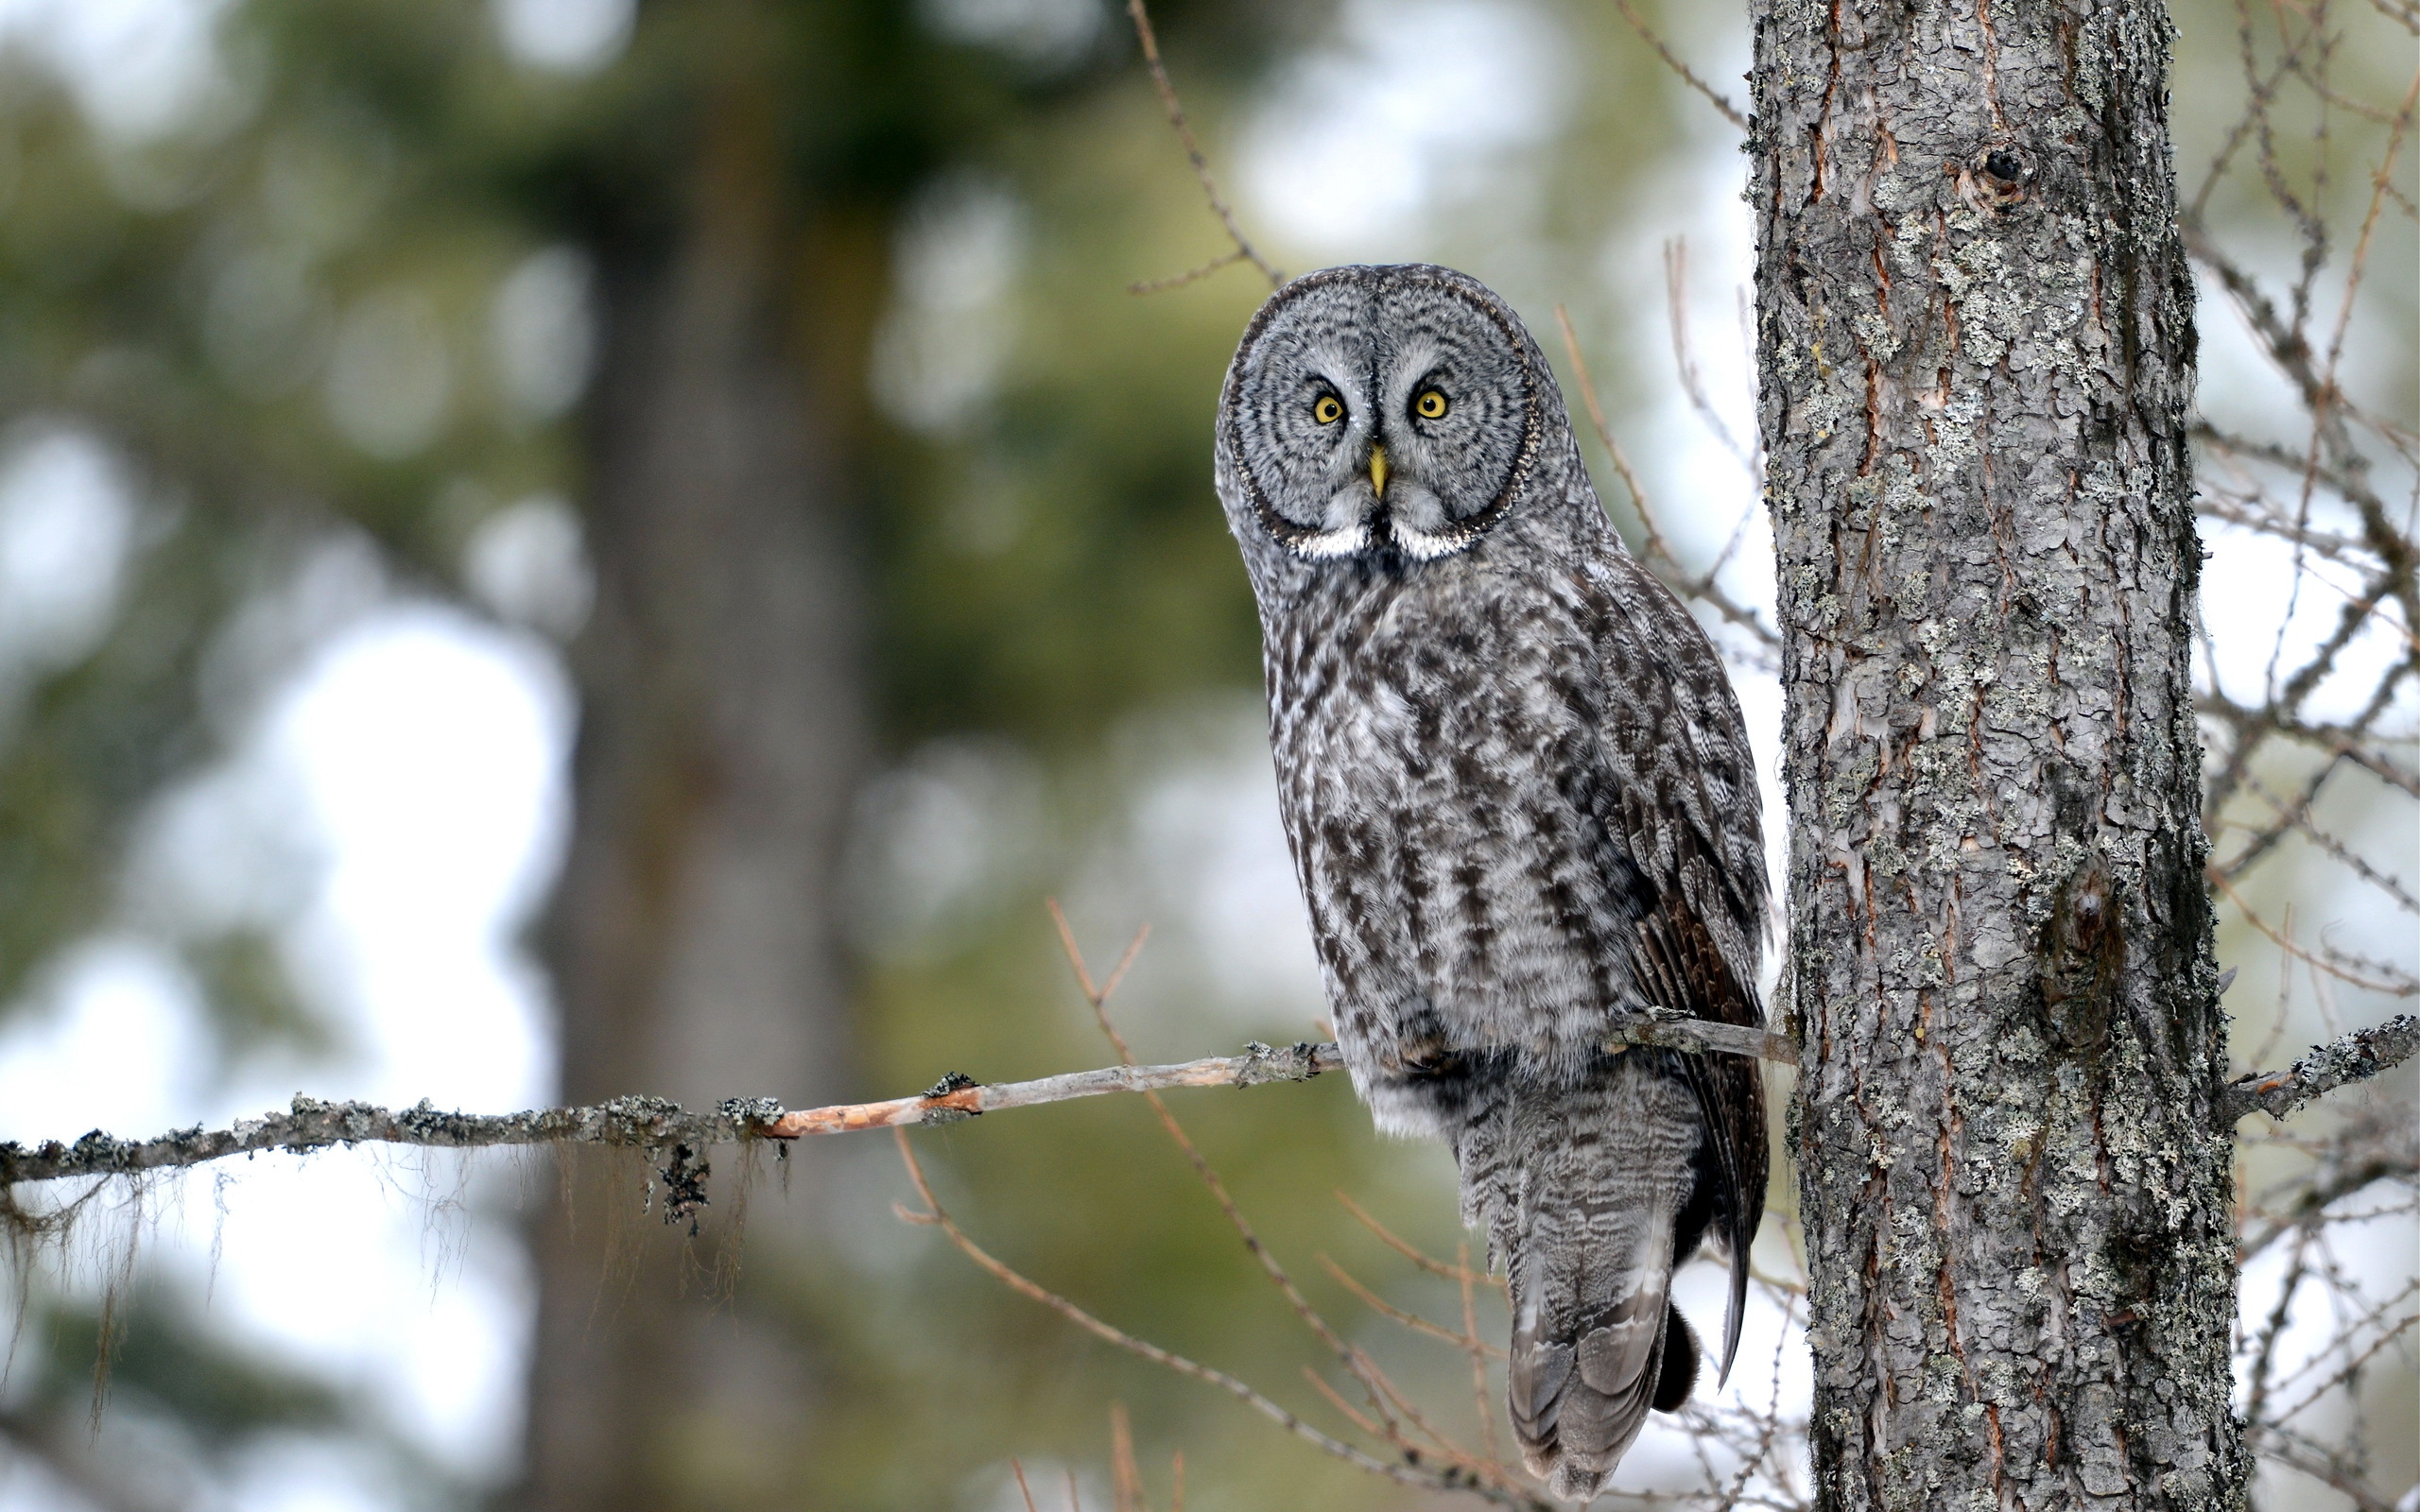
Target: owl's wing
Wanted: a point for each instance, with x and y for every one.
(1683, 804)
(1682, 969)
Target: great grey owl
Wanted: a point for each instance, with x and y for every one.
(1519, 798)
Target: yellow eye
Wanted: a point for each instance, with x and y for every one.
(1327, 410)
(1430, 405)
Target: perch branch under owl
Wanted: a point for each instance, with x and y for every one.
(654, 1124)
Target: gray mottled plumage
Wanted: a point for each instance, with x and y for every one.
(1520, 800)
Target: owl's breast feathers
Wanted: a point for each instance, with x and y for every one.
(1520, 800)
(1519, 778)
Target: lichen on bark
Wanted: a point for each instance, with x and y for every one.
(1976, 343)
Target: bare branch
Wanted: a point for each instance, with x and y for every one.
(2345, 467)
(1676, 291)
(2352, 1368)
(959, 1097)
(2348, 484)
(1191, 275)
(1467, 1341)
(653, 1124)
(645, 1122)
(1462, 1272)
(2336, 740)
(2320, 1464)
(2357, 1056)
(2355, 970)
(1658, 549)
(642, 1122)
(2298, 816)
(2375, 1146)
(1219, 206)
(1401, 1474)
(1126, 1476)
(1730, 112)
(1478, 1353)
(1099, 998)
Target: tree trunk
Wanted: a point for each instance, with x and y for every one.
(1976, 338)
(723, 730)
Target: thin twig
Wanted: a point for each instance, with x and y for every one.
(1408, 1319)
(2332, 961)
(2380, 177)
(2273, 1328)
(1099, 998)
(2298, 816)
(1125, 1477)
(2355, 1162)
(1486, 1469)
(935, 1215)
(1658, 549)
(2353, 1367)
(1730, 112)
(1219, 206)
(2343, 740)
(1676, 293)
(2320, 1464)
(1411, 1252)
(1657, 545)
(1479, 1351)
(1191, 275)
(1344, 1409)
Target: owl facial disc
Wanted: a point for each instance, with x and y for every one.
(1382, 411)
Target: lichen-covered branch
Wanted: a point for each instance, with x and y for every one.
(653, 1124)
(642, 1122)
(2357, 1056)
(310, 1124)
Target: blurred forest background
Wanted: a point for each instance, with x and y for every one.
(554, 549)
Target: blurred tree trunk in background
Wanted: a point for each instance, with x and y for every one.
(694, 938)
(1976, 341)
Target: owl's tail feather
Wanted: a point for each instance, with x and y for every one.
(1580, 1188)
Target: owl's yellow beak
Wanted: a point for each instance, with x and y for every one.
(1378, 470)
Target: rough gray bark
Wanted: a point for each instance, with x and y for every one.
(1976, 338)
(723, 735)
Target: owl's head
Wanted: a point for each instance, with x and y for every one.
(1382, 411)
